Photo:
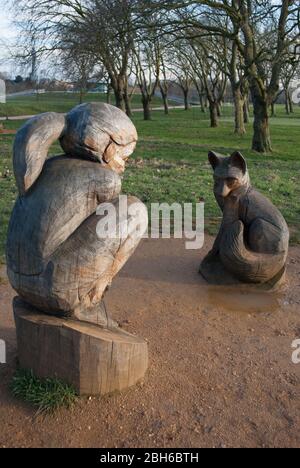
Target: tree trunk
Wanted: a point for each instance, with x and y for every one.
(108, 94)
(127, 101)
(201, 96)
(287, 104)
(213, 111)
(81, 96)
(273, 113)
(119, 96)
(261, 138)
(291, 104)
(165, 100)
(202, 105)
(246, 109)
(239, 111)
(186, 99)
(147, 109)
(166, 104)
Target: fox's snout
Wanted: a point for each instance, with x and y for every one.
(222, 189)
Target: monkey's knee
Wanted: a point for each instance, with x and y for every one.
(136, 225)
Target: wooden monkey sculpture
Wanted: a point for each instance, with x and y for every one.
(56, 261)
(252, 244)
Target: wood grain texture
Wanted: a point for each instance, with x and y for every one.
(55, 260)
(95, 361)
(73, 274)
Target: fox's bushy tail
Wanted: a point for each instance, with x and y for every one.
(250, 267)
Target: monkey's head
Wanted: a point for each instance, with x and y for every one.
(95, 131)
(99, 132)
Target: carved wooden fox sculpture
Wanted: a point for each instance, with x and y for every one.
(252, 244)
(55, 260)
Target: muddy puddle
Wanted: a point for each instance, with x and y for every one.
(242, 300)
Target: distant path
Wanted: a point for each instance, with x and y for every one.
(17, 117)
(25, 117)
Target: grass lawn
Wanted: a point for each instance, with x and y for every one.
(170, 163)
(58, 102)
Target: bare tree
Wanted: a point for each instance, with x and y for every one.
(246, 21)
(240, 89)
(147, 59)
(219, 57)
(78, 66)
(165, 79)
(289, 72)
(104, 29)
(193, 68)
(180, 68)
(207, 61)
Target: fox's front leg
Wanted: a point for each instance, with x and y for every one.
(231, 210)
(230, 216)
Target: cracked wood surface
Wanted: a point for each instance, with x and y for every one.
(95, 361)
(57, 262)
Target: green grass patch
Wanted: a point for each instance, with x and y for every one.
(47, 395)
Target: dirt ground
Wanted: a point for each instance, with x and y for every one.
(220, 375)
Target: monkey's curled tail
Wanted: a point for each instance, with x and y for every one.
(31, 147)
(248, 266)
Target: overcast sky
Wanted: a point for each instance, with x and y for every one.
(7, 36)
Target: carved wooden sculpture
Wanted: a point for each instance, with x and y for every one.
(252, 244)
(56, 261)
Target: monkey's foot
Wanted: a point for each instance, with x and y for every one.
(97, 315)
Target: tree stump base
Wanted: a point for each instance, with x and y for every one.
(94, 360)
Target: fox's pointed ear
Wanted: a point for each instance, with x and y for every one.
(214, 159)
(238, 160)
